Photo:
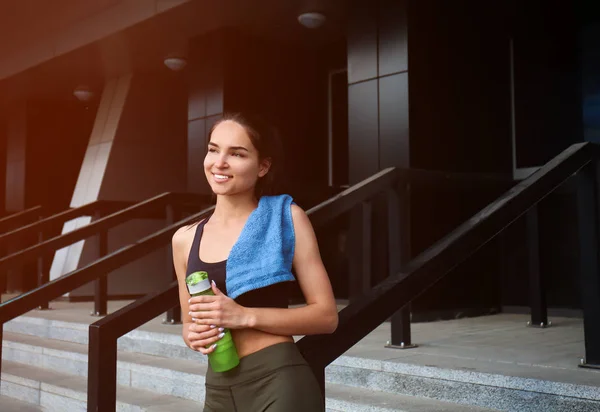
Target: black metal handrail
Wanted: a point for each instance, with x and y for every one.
(73, 280)
(17, 219)
(101, 207)
(99, 268)
(165, 206)
(174, 203)
(84, 232)
(361, 317)
(44, 247)
(103, 334)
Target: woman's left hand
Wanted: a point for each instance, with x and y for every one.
(218, 311)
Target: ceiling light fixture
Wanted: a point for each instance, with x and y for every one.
(312, 20)
(83, 93)
(175, 63)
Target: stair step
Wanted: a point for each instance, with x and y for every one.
(506, 393)
(79, 351)
(167, 344)
(346, 398)
(12, 405)
(24, 354)
(49, 328)
(56, 391)
(176, 377)
(463, 380)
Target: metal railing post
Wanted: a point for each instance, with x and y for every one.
(5, 273)
(173, 315)
(589, 266)
(102, 371)
(1, 341)
(101, 284)
(367, 234)
(360, 259)
(537, 287)
(43, 276)
(398, 202)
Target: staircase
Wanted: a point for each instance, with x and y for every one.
(487, 363)
(45, 365)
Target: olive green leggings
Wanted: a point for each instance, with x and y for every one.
(274, 379)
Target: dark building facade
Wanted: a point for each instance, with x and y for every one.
(465, 88)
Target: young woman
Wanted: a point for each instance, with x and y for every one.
(272, 375)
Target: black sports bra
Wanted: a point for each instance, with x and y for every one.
(274, 296)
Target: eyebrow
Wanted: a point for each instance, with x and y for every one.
(231, 148)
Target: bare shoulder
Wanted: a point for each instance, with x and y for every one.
(306, 251)
(184, 236)
(302, 225)
(299, 216)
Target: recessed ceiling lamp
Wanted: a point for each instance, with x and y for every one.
(175, 63)
(312, 20)
(83, 93)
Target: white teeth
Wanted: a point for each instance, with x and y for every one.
(221, 176)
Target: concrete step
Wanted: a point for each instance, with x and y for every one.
(29, 388)
(62, 391)
(346, 398)
(461, 381)
(176, 377)
(24, 354)
(139, 341)
(12, 405)
(464, 386)
(59, 392)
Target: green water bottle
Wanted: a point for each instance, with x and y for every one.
(225, 356)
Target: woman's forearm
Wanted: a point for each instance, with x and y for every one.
(311, 319)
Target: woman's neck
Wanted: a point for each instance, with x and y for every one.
(232, 208)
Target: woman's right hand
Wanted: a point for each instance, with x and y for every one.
(203, 338)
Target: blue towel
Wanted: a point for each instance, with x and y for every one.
(264, 251)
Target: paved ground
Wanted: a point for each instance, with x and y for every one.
(500, 344)
(12, 405)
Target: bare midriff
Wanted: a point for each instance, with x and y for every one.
(248, 341)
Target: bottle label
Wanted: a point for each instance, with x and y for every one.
(197, 282)
(199, 287)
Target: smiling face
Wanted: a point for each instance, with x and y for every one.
(232, 164)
